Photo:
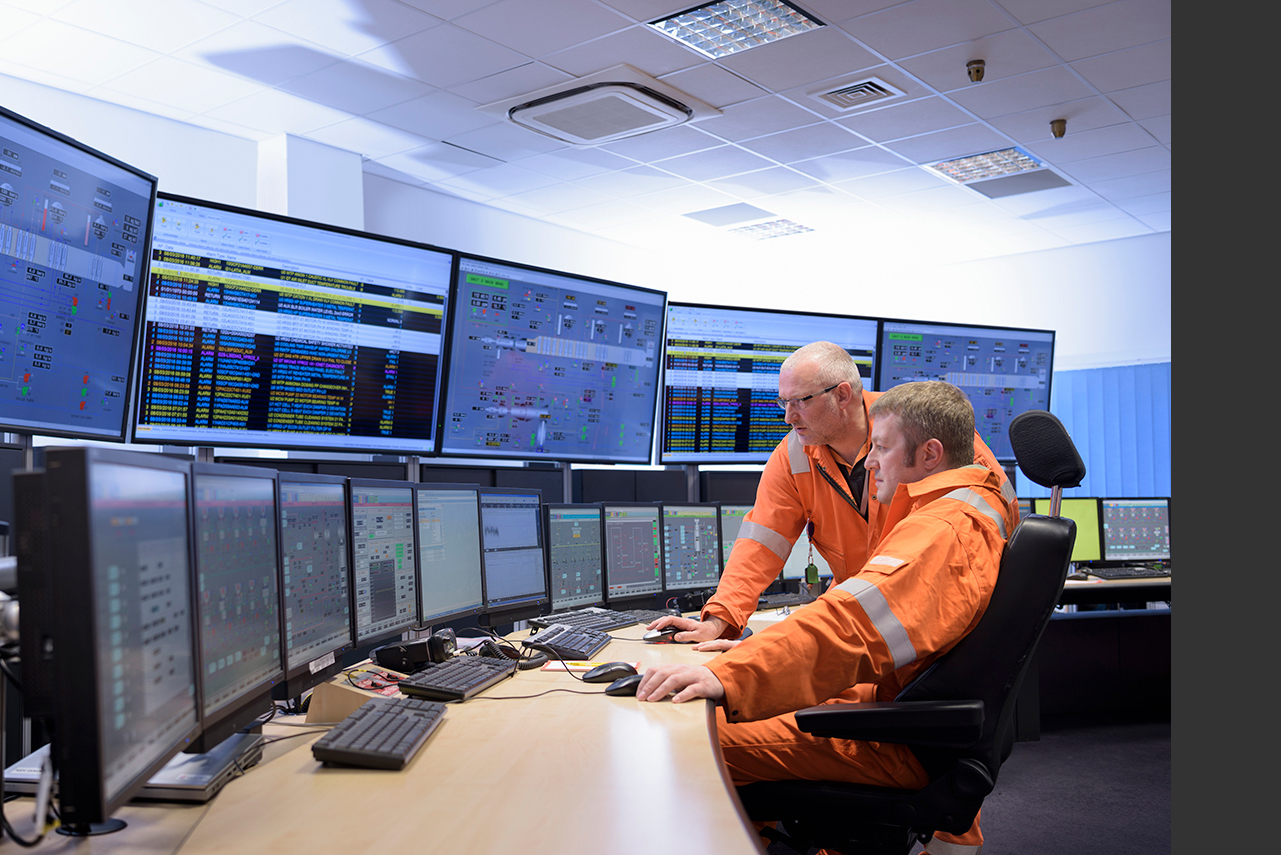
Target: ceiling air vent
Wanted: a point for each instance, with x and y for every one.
(858, 94)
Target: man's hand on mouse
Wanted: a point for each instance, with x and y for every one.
(692, 630)
(688, 682)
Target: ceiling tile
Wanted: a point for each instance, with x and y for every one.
(649, 10)
(368, 138)
(757, 118)
(444, 56)
(437, 161)
(1005, 54)
(504, 179)
(347, 26)
(513, 82)
(928, 200)
(1126, 69)
(765, 182)
(680, 200)
(447, 10)
(887, 184)
(573, 164)
(559, 197)
(1082, 144)
(257, 52)
(635, 181)
(44, 7)
(896, 121)
(1022, 93)
(1104, 29)
(925, 25)
(1144, 102)
(505, 141)
(1134, 185)
(801, 60)
(714, 163)
(638, 46)
(1158, 127)
(159, 25)
(181, 85)
(851, 164)
(668, 142)
(438, 115)
(804, 143)
(1031, 11)
(944, 145)
(1152, 159)
(80, 55)
(1084, 115)
(356, 87)
(1155, 203)
(277, 113)
(713, 85)
(539, 27)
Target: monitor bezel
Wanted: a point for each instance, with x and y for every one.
(683, 589)
(701, 458)
(1169, 513)
(243, 710)
(455, 613)
(140, 312)
(451, 351)
(392, 634)
(499, 614)
(548, 507)
(304, 442)
(307, 675)
(634, 598)
(881, 361)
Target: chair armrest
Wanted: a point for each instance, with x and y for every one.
(951, 724)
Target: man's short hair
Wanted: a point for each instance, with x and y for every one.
(931, 409)
(833, 363)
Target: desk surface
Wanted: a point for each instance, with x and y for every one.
(1095, 590)
(557, 773)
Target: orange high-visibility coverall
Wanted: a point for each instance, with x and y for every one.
(802, 483)
(924, 589)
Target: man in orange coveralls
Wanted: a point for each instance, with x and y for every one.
(924, 588)
(816, 474)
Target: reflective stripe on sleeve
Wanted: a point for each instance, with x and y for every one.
(796, 455)
(878, 609)
(1007, 493)
(942, 847)
(766, 537)
(974, 500)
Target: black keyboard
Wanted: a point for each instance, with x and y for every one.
(457, 679)
(647, 616)
(588, 618)
(385, 733)
(569, 642)
(777, 601)
(1133, 572)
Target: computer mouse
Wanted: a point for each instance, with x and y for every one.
(608, 672)
(624, 685)
(660, 636)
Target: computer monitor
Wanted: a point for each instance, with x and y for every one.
(450, 566)
(512, 537)
(116, 631)
(75, 225)
(384, 580)
(1136, 529)
(270, 331)
(692, 557)
(550, 365)
(633, 553)
(315, 579)
(720, 378)
(731, 521)
(575, 555)
(238, 600)
(1005, 371)
(1089, 536)
(801, 556)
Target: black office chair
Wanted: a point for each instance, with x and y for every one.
(957, 716)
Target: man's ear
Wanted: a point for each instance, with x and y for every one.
(932, 456)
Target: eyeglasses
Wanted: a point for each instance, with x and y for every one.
(800, 403)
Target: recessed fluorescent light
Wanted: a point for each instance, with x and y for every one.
(729, 26)
(992, 164)
(770, 229)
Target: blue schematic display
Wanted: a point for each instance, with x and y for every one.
(548, 365)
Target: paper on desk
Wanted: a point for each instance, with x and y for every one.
(578, 665)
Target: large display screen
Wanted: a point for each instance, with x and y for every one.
(720, 379)
(1005, 371)
(273, 332)
(547, 365)
(74, 230)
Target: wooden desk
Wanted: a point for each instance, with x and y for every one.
(560, 773)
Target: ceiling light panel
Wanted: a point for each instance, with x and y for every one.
(991, 164)
(719, 29)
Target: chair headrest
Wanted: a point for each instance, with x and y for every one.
(1044, 451)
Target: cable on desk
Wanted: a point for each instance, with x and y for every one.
(527, 697)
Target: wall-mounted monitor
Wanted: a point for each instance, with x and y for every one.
(238, 602)
(720, 378)
(548, 365)
(1136, 529)
(75, 225)
(450, 566)
(692, 557)
(1089, 528)
(315, 577)
(633, 553)
(116, 629)
(1004, 371)
(512, 537)
(384, 579)
(269, 331)
(575, 555)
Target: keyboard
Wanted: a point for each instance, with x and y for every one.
(1133, 572)
(458, 678)
(778, 601)
(569, 642)
(385, 733)
(648, 615)
(588, 618)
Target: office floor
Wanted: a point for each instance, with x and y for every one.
(1094, 786)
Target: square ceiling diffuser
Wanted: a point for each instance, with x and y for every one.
(729, 26)
(1007, 172)
(600, 113)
